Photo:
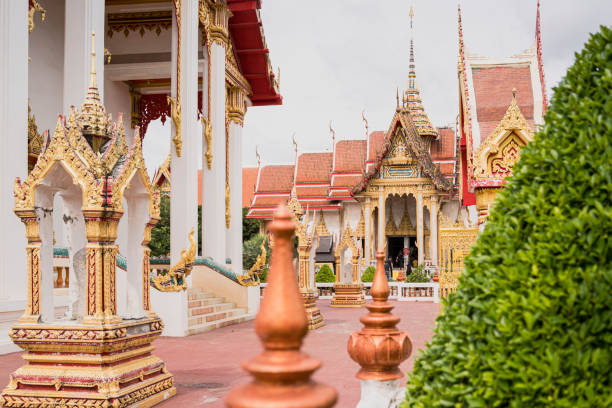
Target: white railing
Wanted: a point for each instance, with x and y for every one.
(401, 291)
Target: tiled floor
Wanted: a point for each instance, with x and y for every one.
(207, 365)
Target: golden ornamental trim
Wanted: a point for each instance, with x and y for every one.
(141, 21)
(228, 213)
(347, 242)
(208, 134)
(219, 16)
(496, 157)
(175, 113)
(321, 228)
(34, 7)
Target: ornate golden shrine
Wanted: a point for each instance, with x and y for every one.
(99, 359)
(455, 242)
(348, 294)
(305, 283)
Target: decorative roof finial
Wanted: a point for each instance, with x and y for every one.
(294, 144)
(92, 120)
(367, 128)
(258, 156)
(282, 372)
(514, 93)
(333, 135)
(411, 15)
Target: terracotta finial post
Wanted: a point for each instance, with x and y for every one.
(282, 372)
(379, 347)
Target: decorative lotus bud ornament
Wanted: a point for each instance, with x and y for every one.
(380, 347)
(282, 372)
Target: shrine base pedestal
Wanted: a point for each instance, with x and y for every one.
(75, 365)
(348, 295)
(315, 318)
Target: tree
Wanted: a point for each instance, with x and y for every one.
(250, 226)
(160, 234)
(251, 250)
(368, 274)
(325, 275)
(530, 324)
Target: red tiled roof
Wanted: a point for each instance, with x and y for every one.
(350, 155)
(277, 178)
(444, 147)
(448, 169)
(270, 200)
(340, 180)
(314, 167)
(493, 91)
(249, 179)
(376, 141)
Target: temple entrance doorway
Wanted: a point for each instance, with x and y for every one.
(395, 248)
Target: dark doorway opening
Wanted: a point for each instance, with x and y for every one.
(395, 247)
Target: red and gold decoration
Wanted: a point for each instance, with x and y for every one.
(99, 360)
(379, 347)
(282, 372)
(174, 280)
(348, 294)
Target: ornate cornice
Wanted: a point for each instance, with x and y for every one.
(219, 16)
(33, 8)
(154, 21)
(236, 104)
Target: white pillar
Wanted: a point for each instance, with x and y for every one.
(381, 221)
(213, 180)
(44, 213)
(83, 17)
(14, 152)
(433, 228)
(420, 243)
(376, 394)
(234, 233)
(367, 216)
(184, 186)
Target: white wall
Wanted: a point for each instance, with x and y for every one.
(46, 68)
(117, 100)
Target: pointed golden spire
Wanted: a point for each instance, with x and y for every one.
(412, 97)
(92, 120)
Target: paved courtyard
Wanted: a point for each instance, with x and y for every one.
(207, 365)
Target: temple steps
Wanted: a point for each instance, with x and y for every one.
(208, 312)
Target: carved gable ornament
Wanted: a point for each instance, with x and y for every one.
(496, 157)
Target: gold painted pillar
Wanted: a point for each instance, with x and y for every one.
(433, 230)
(101, 261)
(307, 288)
(146, 254)
(32, 310)
(366, 235)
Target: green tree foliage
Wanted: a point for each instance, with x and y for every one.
(160, 234)
(418, 275)
(250, 226)
(251, 250)
(368, 274)
(531, 322)
(325, 275)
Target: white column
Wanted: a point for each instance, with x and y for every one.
(234, 233)
(83, 17)
(381, 221)
(44, 213)
(433, 227)
(367, 216)
(420, 243)
(14, 152)
(213, 180)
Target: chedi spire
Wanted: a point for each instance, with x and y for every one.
(411, 102)
(93, 120)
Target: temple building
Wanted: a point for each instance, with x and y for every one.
(419, 191)
(199, 64)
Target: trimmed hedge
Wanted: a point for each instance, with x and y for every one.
(368, 274)
(418, 275)
(531, 322)
(325, 275)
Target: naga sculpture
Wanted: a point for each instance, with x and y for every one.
(252, 277)
(174, 280)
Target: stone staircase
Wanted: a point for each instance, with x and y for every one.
(207, 312)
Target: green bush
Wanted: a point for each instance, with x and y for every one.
(368, 274)
(531, 322)
(263, 276)
(325, 275)
(160, 234)
(418, 275)
(251, 250)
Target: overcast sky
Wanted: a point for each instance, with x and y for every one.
(340, 57)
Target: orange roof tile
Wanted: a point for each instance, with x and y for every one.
(249, 179)
(444, 147)
(376, 141)
(350, 155)
(277, 178)
(314, 167)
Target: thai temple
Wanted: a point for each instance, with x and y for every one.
(415, 189)
(77, 205)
